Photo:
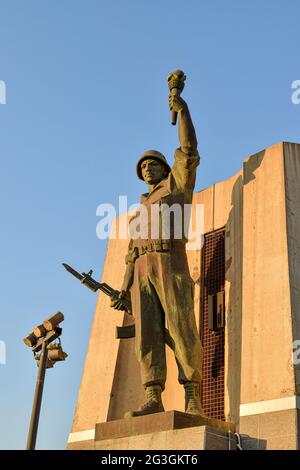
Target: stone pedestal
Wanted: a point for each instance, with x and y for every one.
(171, 430)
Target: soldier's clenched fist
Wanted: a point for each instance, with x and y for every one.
(176, 103)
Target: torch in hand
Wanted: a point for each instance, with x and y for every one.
(176, 84)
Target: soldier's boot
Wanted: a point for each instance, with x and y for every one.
(153, 403)
(192, 398)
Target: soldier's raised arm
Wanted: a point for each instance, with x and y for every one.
(186, 159)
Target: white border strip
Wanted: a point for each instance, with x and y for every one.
(269, 406)
(87, 435)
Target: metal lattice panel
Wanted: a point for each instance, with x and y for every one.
(213, 281)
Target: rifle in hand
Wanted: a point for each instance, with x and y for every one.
(127, 331)
(87, 280)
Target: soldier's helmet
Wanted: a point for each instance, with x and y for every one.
(153, 155)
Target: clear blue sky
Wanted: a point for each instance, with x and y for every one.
(86, 94)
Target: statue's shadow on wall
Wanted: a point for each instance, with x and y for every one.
(233, 294)
(252, 443)
(234, 276)
(127, 390)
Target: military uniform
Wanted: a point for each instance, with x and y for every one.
(162, 291)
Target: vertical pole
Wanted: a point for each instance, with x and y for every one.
(37, 401)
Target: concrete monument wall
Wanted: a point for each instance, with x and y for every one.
(271, 268)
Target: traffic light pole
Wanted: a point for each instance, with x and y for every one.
(37, 401)
(39, 340)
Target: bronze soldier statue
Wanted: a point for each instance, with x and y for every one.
(157, 275)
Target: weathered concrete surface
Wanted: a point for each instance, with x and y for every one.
(99, 371)
(197, 438)
(229, 213)
(270, 431)
(292, 200)
(81, 445)
(267, 370)
(167, 430)
(153, 423)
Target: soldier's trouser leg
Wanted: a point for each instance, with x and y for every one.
(178, 303)
(160, 287)
(176, 294)
(149, 327)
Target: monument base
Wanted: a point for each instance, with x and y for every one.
(170, 430)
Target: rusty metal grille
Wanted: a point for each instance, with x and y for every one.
(213, 281)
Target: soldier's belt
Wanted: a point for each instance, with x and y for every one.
(154, 246)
